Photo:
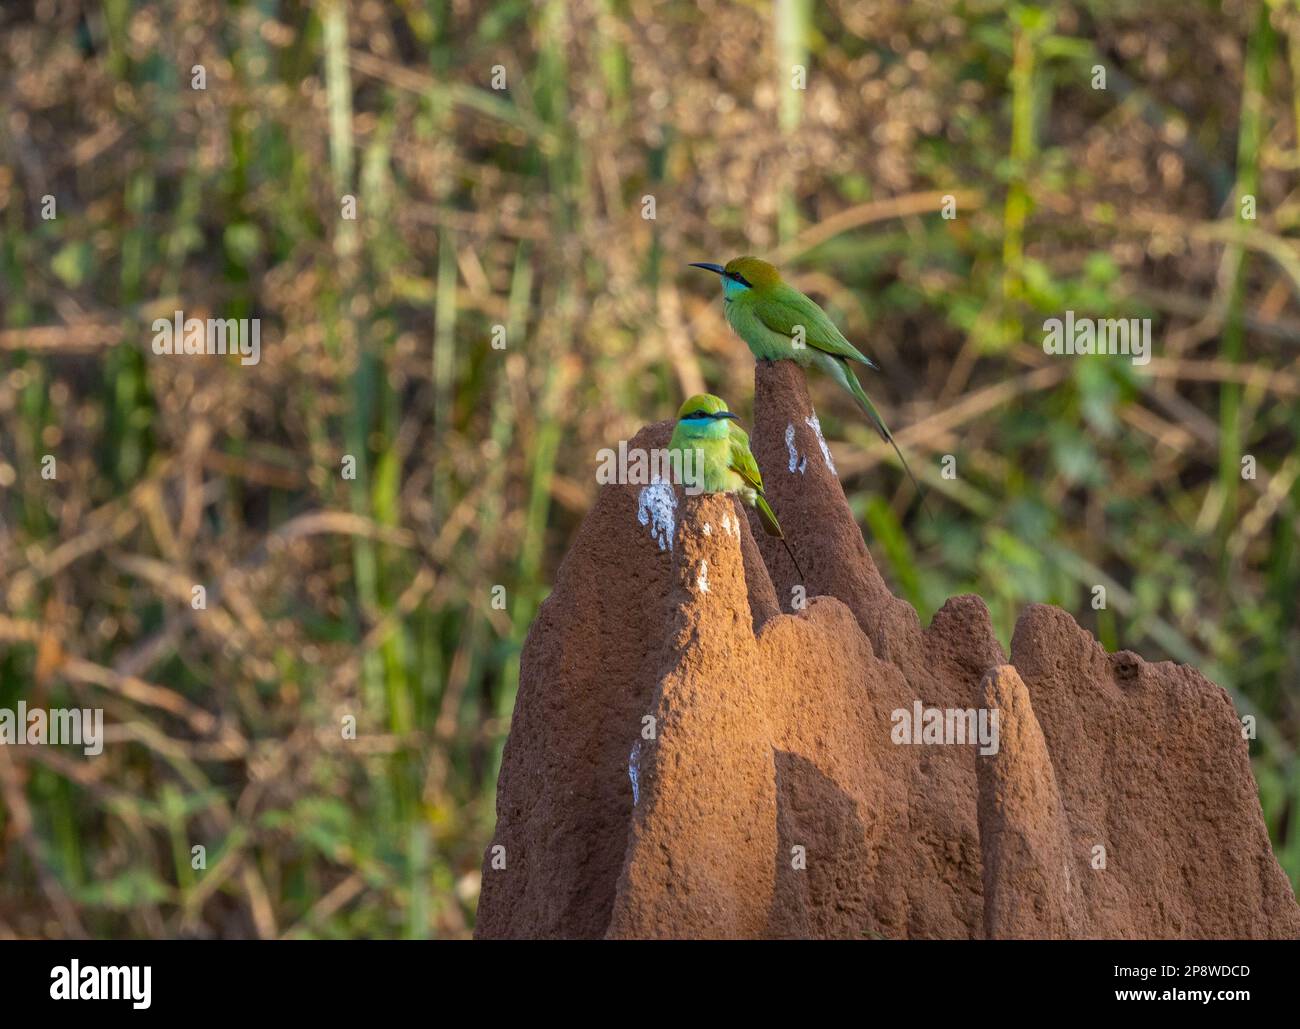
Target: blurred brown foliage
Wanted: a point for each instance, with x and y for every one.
(524, 208)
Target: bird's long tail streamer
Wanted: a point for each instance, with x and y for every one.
(796, 563)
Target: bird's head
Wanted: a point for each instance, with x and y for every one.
(743, 273)
(704, 409)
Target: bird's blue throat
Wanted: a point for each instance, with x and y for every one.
(732, 288)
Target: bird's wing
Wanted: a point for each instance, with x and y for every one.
(782, 307)
(742, 459)
(744, 465)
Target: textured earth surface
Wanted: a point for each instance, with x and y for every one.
(699, 751)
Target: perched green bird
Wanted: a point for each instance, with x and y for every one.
(726, 464)
(767, 313)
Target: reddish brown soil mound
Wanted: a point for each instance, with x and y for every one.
(686, 760)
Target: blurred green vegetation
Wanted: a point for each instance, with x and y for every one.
(521, 210)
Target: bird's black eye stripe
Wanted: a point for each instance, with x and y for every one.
(737, 277)
(695, 414)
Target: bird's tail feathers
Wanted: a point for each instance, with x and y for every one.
(768, 517)
(860, 395)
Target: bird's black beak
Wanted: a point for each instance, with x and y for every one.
(727, 414)
(709, 267)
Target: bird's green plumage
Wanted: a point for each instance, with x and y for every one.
(744, 465)
(767, 313)
(726, 464)
(767, 318)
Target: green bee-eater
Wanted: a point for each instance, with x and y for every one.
(723, 462)
(778, 323)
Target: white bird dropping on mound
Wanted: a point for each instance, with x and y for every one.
(795, 463)
(656, 508)
(815, 424)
